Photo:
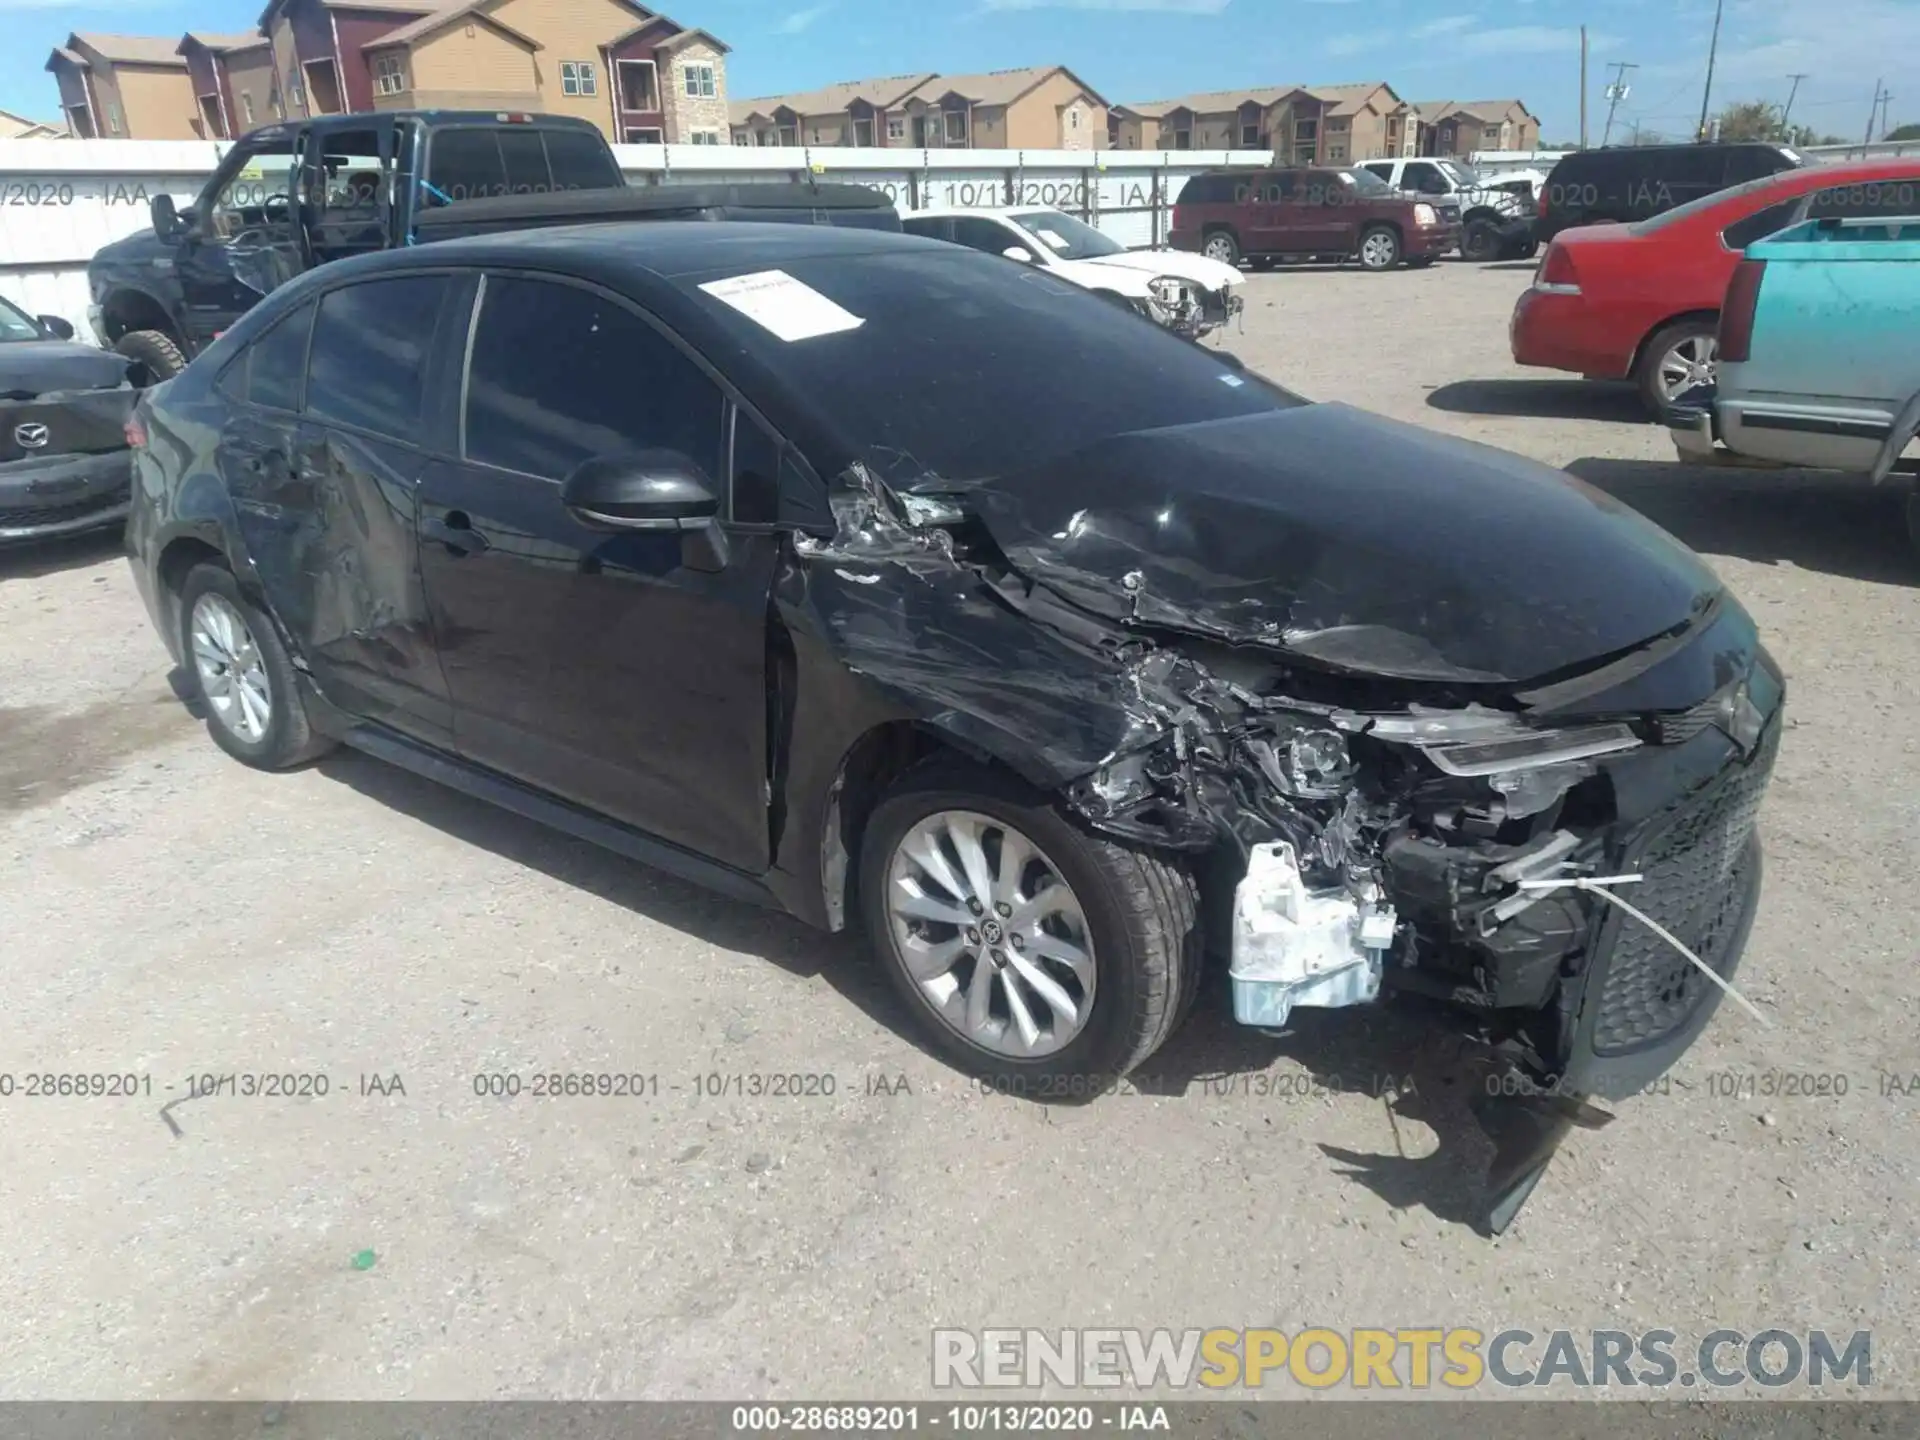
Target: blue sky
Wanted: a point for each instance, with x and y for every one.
(1146, 49)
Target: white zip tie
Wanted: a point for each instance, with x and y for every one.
(1598, 886)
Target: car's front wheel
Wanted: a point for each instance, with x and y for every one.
(241, 676)
(1035, 953)
(1379, 248)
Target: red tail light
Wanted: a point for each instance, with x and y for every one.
(1736, 313)
(1556, 268)
(135, 431)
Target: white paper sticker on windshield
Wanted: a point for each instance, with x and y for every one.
(1053, 238)
(790, 309)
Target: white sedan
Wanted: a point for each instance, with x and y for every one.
(1187, 293)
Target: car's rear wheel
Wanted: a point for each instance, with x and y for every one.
(1677, 358)
(1222, 246)
(1479, 241)
(241, 675)
(153, 355)
(1379, 248)
(1034, 952)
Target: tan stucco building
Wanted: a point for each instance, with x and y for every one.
(1040, 107)
(124, 87)
(1298, 124)
(1460, 127)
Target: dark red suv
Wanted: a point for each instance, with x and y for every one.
(1266, 214)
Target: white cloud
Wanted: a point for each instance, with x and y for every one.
(799, 20)
(1177, 7)
(1444, 25)
(1528, 40)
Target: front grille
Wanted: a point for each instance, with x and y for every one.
(1699, 878)
(54, 512)
(1678, 727)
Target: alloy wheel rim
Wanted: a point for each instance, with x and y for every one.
(233, 674)
(1218, 248)
(992, 936)
(1378, 250)
(1694, 361)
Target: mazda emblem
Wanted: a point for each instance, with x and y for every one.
(31, 436)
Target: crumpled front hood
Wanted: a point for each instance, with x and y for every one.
(1348, 539)
(40, 367)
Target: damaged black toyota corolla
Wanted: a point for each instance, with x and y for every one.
(870, 575)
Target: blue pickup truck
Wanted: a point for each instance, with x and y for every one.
(1819, 344)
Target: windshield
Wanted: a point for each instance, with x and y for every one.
(1703, 203)
(14, 325)
(1463, 175)
(1066, 237)
(942, 368)
(1366, 182)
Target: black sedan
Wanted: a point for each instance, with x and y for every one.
(63, 414)
(883, 581)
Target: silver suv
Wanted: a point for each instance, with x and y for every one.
(1496, 215)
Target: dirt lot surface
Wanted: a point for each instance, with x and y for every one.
(170, 913)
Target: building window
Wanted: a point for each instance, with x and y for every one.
(246, 106)
(113, 118)
(699, 81)
(787, 135)
(638, 90)
(643, 135)
(1183, 140)
(863, 130)
(577, 78)
(1073, 118)
(1250, 136)
(298, 94)
(1336, 152)
(389, 76)
(896, 127)
(956, 127)
(743, 137)
(704, 137)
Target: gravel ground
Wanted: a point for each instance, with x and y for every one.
(168, 912)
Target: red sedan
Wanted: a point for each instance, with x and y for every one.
(1642, 301)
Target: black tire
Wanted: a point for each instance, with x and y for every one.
(1142, 913)
(154, 354)
(1480, 241)
(1646, 370)
(1379, 248)
(1228, 242)
(289, 738)
(1521, 250)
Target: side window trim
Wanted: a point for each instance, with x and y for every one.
(728, 395)
(466, 366)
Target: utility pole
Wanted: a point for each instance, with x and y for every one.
(1885, 100)
(1786, 113)
(1616, 91)
(1583, 87)
(1873, 110)
(1713, 49)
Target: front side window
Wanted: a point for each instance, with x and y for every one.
(263, 177)
(368, 364)
(14, 325)
(276, 360)
(577, 78)
(699, 80)
(560, 375)
(1425, 177)
(976, 232)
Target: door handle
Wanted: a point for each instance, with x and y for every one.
(455, 531)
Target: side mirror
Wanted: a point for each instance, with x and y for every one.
(167, 223)
(1020, 253)
(56, 326)
(650, 490)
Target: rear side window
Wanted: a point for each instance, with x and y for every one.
(1208, 190)
(368, 364)
(1382, 168)
(934, 227)
(274, 362)
(1694, 169)
(1760, 224)
(978, 234)
(1749, 162)
(466, 164)
(560, 375)
(579, 162)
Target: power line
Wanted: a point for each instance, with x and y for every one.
(1617, 90)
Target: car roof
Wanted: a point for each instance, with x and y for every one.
(991, 212)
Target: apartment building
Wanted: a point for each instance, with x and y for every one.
(1299, 124)
(19, 127)
(233, 85)
(124, 87)
(1039, 107)
(1460, 127)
